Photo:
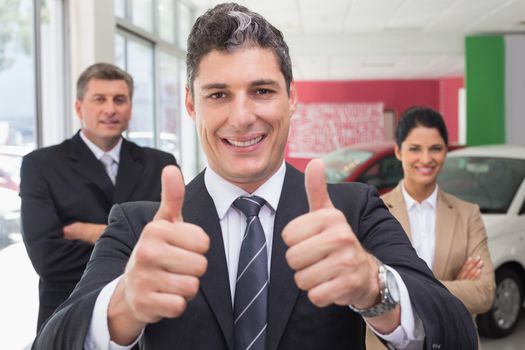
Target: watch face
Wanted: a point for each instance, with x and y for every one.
(392, 286)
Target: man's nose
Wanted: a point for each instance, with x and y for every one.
(241, 112)
(109, 108)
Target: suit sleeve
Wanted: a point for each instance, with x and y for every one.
(477, 295)
(172, 160)
(446, 321)
(68, 326)
(167, 159)
(53, 257)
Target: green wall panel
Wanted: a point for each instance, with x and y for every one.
(485, 85)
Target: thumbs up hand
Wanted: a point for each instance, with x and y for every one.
(330, 263)
(163, 271)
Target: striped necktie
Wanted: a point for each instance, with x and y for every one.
(111, 167)
(251, 289)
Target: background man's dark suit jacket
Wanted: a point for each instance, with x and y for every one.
(65, 183)
(293, 322)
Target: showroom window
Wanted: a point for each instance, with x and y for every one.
(17, 75)
(33, 76)
(149, 45)
(32, 86)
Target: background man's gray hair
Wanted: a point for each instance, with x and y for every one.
(229, 27)
(102, 71)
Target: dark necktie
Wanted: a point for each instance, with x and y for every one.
(251, 288)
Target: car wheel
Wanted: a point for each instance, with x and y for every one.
(503, 317)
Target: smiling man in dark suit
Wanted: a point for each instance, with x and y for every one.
(67, 190)
(252, 254)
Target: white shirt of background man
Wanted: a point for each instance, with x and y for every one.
(114, 153)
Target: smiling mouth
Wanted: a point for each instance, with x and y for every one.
(425, 170)
(109, 122)
(244, 144)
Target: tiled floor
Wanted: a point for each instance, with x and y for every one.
(516, 341)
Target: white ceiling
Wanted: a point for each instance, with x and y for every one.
(382, 39)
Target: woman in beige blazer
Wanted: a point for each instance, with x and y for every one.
(447, 232)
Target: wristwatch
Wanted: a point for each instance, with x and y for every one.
(388, 291)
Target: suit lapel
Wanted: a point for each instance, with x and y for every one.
(444, 234)
(200, 210)
(84, 163)
(129, 171)
(283, 291)
(396, 204)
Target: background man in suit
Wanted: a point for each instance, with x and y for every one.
(67, 190)
(172, 276)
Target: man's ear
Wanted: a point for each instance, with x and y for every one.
(292, 98)
(190, 105)
(78, 109)
(397, 152)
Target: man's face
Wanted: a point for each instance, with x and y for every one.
(105, 111)
(242, 112)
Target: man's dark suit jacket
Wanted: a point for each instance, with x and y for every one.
(65, 183)
(293, 322)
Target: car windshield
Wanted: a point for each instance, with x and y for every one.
(490, 182)
(341, 163)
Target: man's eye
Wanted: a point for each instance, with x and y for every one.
(263, 91)
(120, 100)
(217, 95)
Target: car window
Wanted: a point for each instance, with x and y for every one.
(385, 174)
(491, 182)
(340, 164)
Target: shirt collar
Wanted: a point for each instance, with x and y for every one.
(223, 193)
(430, 200)
(98, 152)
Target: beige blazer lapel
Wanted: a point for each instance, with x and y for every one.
(446, 218)
(396, 205)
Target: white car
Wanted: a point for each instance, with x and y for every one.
(494, 178)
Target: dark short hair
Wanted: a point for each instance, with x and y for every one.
(420, 116)
(229, 27)
(103, 71)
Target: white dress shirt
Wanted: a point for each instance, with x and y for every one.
(422, 218)
(114, 153)
(408, 335)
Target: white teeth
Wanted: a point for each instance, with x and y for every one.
(245, 143)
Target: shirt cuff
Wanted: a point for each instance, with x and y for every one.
(97, 337)
(410, 333)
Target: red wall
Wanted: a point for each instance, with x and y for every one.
(395, 94)
(398, 95)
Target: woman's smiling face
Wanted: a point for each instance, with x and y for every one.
(422, 153)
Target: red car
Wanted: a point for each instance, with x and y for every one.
(371, 163)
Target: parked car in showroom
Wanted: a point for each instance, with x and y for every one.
(9, 217)
(494, 178)
(10, 161)
(371, 163)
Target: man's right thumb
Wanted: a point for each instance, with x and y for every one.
(172, 195)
